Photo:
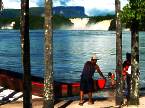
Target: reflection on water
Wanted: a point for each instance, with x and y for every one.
(71, 49)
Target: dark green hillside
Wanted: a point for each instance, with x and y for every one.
(141, 25)
(36, 11)
(13, 13)
(59, 21)
(96, 19)
(4, 21)
(112, 25)
(10, 13)
(37, 22)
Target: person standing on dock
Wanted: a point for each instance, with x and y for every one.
(86, 82)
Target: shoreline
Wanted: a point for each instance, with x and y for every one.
(102, 99)
(66, 102)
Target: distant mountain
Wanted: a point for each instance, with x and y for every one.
(70, 11)
(10, 13)
(60, 18)
(36, 11)
(13, 13)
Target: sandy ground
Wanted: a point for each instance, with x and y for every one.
(38, 103)
(101, 100)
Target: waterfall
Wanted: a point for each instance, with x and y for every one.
(81, 24)
(103, 25)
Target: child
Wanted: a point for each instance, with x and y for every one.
(111, 77)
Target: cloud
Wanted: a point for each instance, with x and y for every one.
(16, 4)
(11, 4)
(39, 3)
(63, 2)
(97, 12)
(91, 6)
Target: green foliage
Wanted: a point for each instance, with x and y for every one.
(112, 26)
(17, 23)
(96, 19)
(36, 11)
(6, 20)
(134, 10)
(59, 21)
(36, 22)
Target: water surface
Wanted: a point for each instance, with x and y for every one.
(71, 49)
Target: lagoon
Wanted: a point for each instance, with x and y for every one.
(71, 49)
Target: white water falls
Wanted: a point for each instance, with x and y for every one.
(8, 26)
(81, 24)
(103, 25)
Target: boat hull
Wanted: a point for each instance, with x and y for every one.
(13, 80)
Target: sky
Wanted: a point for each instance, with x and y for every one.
(91, 6)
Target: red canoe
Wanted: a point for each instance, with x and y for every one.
(13, 80)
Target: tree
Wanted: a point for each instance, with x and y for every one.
(1, 5)
(48, 76)
(25, 46)
(132, 14)
(119, 85)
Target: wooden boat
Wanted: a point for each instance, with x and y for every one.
(13, 80)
